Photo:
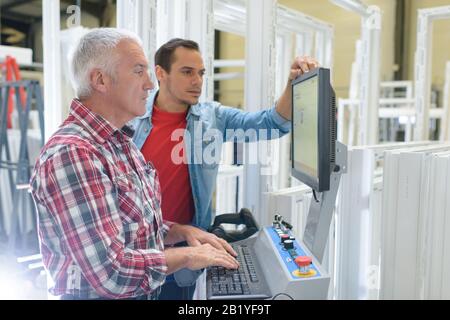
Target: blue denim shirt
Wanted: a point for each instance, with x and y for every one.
(208, 124)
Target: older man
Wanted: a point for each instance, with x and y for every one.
(100, 225)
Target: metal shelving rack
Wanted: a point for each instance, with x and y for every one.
(20, 165)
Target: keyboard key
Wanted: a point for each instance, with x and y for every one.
(235, 291)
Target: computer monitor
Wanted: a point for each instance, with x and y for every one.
(313, 129)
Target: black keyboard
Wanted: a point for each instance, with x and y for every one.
(247, 282)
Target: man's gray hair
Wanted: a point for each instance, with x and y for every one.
(95, 50)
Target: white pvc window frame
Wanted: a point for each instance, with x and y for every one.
(423, 64)
(309, 30)
(139, 16)
(368, 66)
(53, 115)
(230, 16)
(445, 130)
(407, 98)
(157, 21)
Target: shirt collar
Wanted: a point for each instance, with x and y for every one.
(96, 125)
(195, 109)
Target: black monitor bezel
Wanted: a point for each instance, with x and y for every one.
(322, 181)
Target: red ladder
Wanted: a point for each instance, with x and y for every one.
(11, 69)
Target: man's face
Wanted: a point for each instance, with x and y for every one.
(129, 89)
(185, 80)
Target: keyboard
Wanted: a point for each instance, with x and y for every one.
(247, 282)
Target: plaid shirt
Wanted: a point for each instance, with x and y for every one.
(100, 224)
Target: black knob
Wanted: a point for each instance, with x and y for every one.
(288, 244)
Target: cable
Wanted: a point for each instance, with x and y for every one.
(315, 196)
(282, 294)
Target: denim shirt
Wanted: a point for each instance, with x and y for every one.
(208, 125)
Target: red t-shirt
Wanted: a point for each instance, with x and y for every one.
(177, 203)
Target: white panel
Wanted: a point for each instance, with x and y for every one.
(446, 251)
(370, 77)
(373, 268)
(353, 226)
(406, 240)
(409, 224)
(53, 116)
(436, 244)
(390, 190)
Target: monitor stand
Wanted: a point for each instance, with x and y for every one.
(320, 213)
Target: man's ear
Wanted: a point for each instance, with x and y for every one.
(160, 73)
(99, 81)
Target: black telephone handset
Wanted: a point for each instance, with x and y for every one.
(244, 217)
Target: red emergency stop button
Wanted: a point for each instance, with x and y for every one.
(303, 261)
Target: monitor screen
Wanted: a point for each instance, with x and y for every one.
(305, 126)
(313, 128)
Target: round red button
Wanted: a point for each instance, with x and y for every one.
(303, 261)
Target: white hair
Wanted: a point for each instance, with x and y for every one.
(95, 50)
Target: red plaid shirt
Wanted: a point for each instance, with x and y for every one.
(100, 224)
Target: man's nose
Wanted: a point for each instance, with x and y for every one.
(198, 79)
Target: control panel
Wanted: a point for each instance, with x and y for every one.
(280, 264)
(296, 260)
(289, 266)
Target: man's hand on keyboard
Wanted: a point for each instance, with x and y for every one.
(196, 237)
(205, 255)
